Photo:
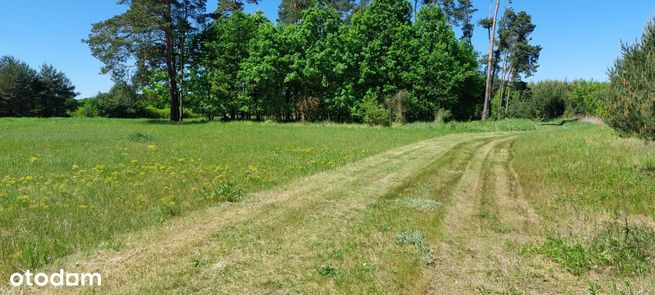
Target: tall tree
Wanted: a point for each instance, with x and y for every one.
(25, 92)
(520, 57)
(291, 11)
(459, 13)
(224, 46)
(150, 36)
(55, 93)
(16, 87)
(490, 62)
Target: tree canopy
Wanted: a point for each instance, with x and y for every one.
(25, 92)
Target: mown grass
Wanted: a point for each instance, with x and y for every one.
(70, 185)
(596, 192)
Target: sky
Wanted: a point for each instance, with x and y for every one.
(580, 38)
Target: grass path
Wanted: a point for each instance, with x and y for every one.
(489, 216)
(329, 233)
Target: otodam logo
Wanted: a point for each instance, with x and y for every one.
(57, 279)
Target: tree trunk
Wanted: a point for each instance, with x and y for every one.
(503, 79)
(171, 69)
(490, 57)
(511, 76)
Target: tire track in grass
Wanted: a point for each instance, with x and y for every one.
(298, 266)
(152, 258)
(489, 216)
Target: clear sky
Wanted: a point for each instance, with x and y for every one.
(581, 38)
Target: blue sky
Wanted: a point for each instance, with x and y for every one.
(581, 39)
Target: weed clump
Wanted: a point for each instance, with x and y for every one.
(227, 192)
(329, 271)
(627, 253)
(417, 239)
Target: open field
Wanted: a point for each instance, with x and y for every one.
(71, 185)
(333, 209)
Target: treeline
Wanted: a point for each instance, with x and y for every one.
(376, 64)
(552, 99)
(26, 92)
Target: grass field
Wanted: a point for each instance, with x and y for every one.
(71, 184)
(497, 207)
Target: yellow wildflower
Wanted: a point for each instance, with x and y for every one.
(23, 198)
(75, 167)
(33, 159)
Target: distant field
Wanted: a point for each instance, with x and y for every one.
(71, 184)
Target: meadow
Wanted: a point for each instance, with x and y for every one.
(69, 185)
(506, 207)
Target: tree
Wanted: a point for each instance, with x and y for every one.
(630, 105)
(150, 36)
(224, 46)
(291, 11)
(122, 101)
(458, 13)
(490, 61)
(55, 94)
(17, 83)
(445, 68)
(25, 92)
(520, 57)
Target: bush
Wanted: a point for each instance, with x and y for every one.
(630, 104)
(586, 98)
(552, 99)
(443, 116)
(549, 99)
(372, 113)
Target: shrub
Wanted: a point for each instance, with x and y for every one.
(443, 116)
(586, 98)
(372, 113)
(630, 104)
(227, 192)
(549, 99)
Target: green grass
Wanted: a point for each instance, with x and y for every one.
(587, 167)
(624, 253)
(69, 185)
(587, 182)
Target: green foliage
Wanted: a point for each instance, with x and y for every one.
(372, 113)
(224, 45)
(226, 192)
(322, 68)
(122, 101)
(587, 98)
(443, 116)
(551, 99)
(147, 38)
(25, 92)
(631, 103)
